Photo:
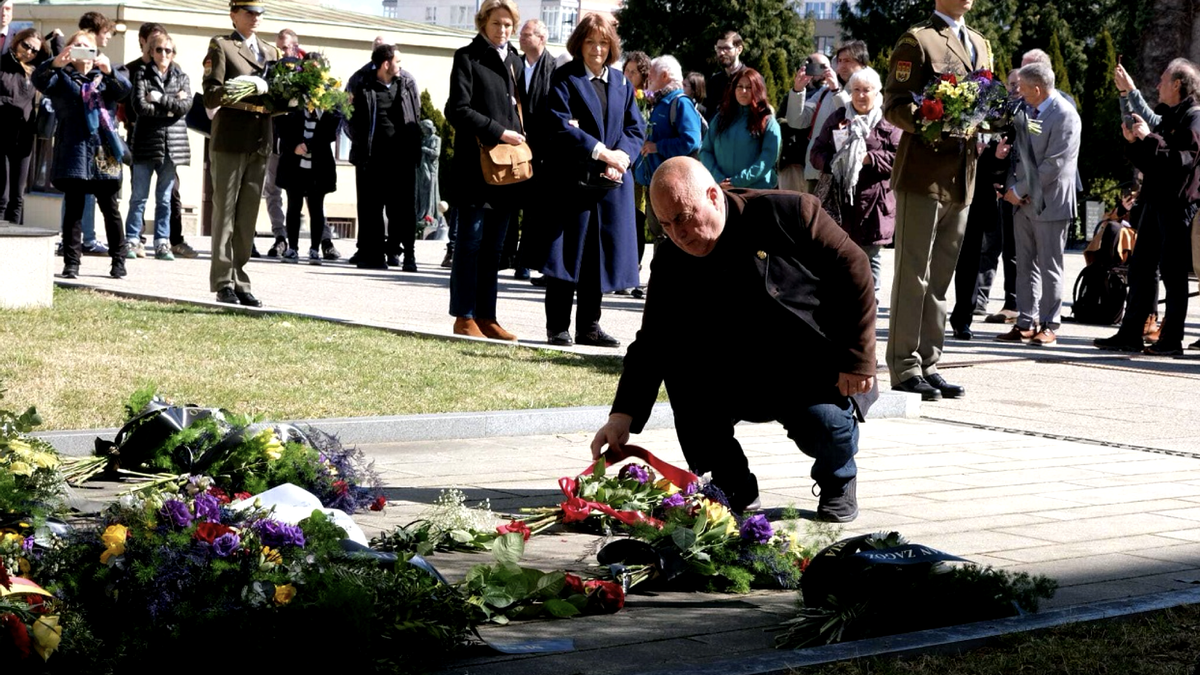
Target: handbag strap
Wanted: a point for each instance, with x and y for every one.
(517, 97)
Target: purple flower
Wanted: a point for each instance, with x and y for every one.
(208, 508)
(715, 494)
(691, 489)
(177, 512)
(226, 544)
(757, 529)
(27, 545)
(634, 471)
(275, 534)
(673, 502)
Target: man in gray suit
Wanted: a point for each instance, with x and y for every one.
(1041, 188)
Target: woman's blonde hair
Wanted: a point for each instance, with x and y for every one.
(489, 6)
(157, 39)
(87, 35)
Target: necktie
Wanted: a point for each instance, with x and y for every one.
(1033, 113)
(962, 36)
(601, 93)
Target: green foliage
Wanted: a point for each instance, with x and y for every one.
(322, 536)
(1102, 168)
(1062, 80)
(30, 484)
(688, 30)
(503, 590)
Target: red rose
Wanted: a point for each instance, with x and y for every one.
(341, 486)
(574, 585)
(220, 494)
(986, 75)
(379, 503)
(949, 77)
(932, 109)
(604, 597)
(804, 563)
(18, 633)
(575, 509)
(208, 532)
(515, 526)
(242, 495)
(5, 581)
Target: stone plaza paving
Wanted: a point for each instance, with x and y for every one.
(1065, 461)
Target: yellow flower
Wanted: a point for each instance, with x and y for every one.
(272, 448)
(46, 636)
(11, 537)
(19, 446)
(114, 541)
(284, 594)
(271, 556)
(44, 460)
(639, 94)
(668, 486)
(718, 516)
(20, 469)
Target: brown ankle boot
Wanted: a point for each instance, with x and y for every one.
(466, 326)
(493, 330)
(1151, 330)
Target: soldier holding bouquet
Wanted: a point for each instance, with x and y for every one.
(933, 181)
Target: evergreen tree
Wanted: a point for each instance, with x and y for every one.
(784, 74)
(444, 129)
(767, 70)
(1062, 81)
(1101, 168)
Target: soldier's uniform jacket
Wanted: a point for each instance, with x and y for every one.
(944, 171)
(244, 126)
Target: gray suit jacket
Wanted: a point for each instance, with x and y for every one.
(1053, 164)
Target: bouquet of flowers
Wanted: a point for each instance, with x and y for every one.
(448, 525)
(604, 500)
(953, 108)
(293, 82)
(28, 621)
(30, 483)
(167, 444)
(645, 103)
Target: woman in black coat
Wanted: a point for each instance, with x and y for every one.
(483, 109)
(87, 150)
(307, 172)
(17, 119)
(593, 128)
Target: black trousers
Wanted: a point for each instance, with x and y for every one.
(999, 246)
(586, 291)
(176, 213)
(106, 192)
(1164, 239)
(983, 214)
(14, 170)
(316, 217)
(391, 190)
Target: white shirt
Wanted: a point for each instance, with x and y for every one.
(960, 29)
(529, 71)
(255, 48)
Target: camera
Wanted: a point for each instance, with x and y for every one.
(813, 69)
(1128, 120)
(83, 53)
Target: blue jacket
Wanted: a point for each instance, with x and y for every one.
(746, 161)
(680, 139)
(75, 144)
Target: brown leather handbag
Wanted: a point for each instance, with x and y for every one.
(506, 164)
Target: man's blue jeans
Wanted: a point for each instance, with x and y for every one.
(88, 222)
(164, 172)
(477, 248)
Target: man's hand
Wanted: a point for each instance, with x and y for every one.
(103, 64)
(1003, 148)
(1123, 81)
(1140, 129)
(614, 434)
(850, 384)
(800, 80)
(1012, 198)
(302, 149)
(511, 137)
(649, 148)
(727, 184)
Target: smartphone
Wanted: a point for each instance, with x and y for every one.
(814, 69)
(83, 53)
(1128, 120)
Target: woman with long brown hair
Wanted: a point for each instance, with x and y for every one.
(743, 142)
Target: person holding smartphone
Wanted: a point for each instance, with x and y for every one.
(85, 89)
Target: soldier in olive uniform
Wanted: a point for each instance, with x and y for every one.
(240, 145)
(933, 184)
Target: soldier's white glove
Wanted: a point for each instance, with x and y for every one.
(260, 85)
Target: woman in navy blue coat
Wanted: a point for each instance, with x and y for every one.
(594, 128)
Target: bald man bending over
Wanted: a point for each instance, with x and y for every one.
(786, 304)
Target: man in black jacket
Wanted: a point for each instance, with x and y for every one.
(1169, 157)
(385, 134)
(775, 270)
(729, 51)
(532, 86)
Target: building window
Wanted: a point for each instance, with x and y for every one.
(462, 17)
(390, 9)
(431, 14)
(550, 17)
(816, 10)
(825, 44)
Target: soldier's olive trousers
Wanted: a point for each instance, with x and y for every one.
(237, 190)
(928, 236)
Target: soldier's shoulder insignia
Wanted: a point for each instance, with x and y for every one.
(903, 71)
(907, 40)
(207, 67)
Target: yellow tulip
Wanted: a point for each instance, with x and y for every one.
(114, 541)
(46, 636)
(273, 449)
(20, 469)
(284, 594)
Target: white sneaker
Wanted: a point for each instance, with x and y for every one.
(290, 256)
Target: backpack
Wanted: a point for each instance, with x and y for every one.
(1102, 286)
(672, 114)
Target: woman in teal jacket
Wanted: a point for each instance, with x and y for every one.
(742, 146)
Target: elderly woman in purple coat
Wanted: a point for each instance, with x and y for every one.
(857, 148)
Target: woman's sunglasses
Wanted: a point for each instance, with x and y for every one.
(164, 50)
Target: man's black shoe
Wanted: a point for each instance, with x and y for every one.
(117, 271)
(254, 252)
(393, 260)
(1119, 343)
(559, 339)
(227, 296)
(597, 338)
(948, 390)
(410, 263)
(540, 282)
(70, 272)
(363, 264)
(917, 385)
(962, 333)
(839, 507)
(247, 298)
(448, 260)
(521, 274)
(278, 248)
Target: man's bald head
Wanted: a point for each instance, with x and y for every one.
(689, 205)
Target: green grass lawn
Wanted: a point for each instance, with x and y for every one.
(79, 361)
(1159, 643)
